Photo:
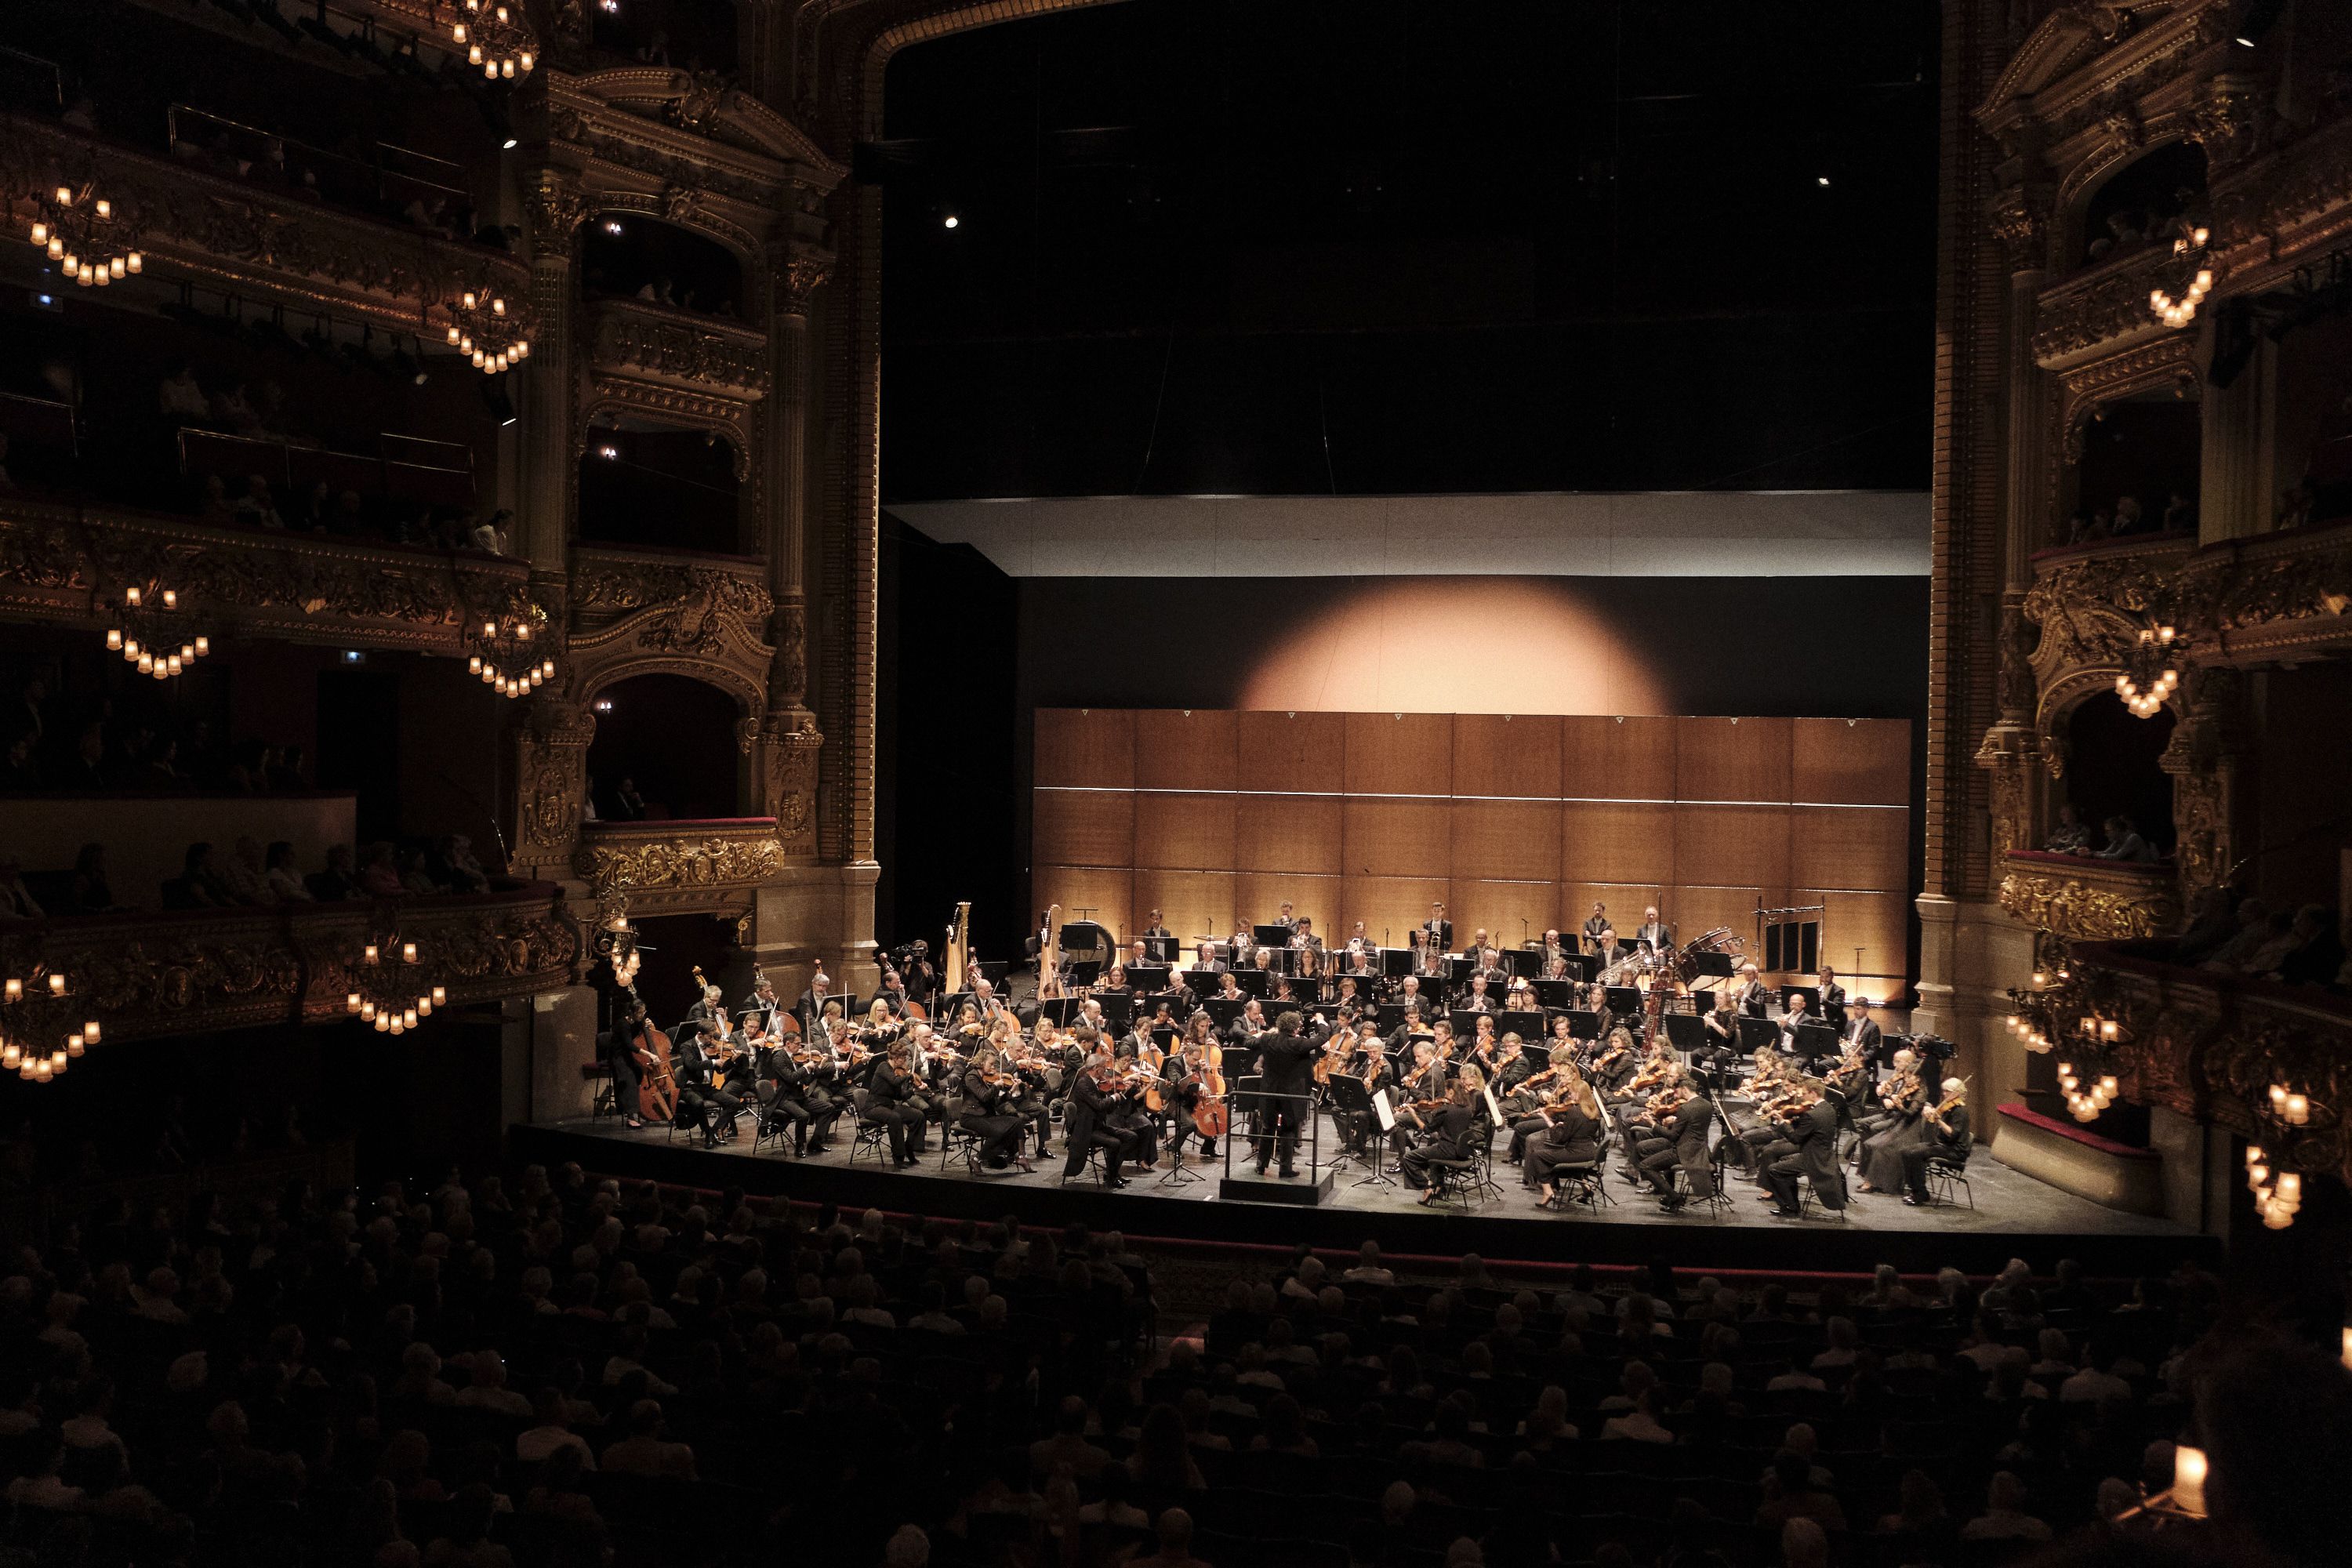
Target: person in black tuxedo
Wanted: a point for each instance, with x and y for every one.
(894, 1098)
(1721, 1032)
(1285, 1061)
(1832, 999)
(1443, 1136)
(1681, 1140)
(1091, 1120)
(1814, 1157)
(990, 1109)
(1418, 1006)
(1859, 1029)
(1949, 1142)
(810, 1008)
(1437, 928)
(789, 1091)
(700, 1101)
(1157, 928)
(1653, 933)
(1595, 923)
(1754, 996)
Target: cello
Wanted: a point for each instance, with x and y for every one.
(657, 1090)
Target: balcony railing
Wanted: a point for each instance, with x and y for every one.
(144, 974)
(700, 866)
(678, 348)
(2084, 898)
(56, 561)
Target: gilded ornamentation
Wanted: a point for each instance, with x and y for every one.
(2073, 907)
(2105, 307)
(2227, 120)
(688, 861)
(2010, 755)
(721, 416)
(694, 108)
(662, 345)
(557, 208)
(788, 680)
(681, 203)
(617, 585)
(800, 275)
(551, 778)
(794, 747)
(2021, 222)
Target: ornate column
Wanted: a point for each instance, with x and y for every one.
(550, 751)
(2236, 479)
(2209, 758)
(789, 740)
(2010, 752)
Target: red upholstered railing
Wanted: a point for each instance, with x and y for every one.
(2074, 1134)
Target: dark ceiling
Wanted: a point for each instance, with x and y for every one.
(1398, 246)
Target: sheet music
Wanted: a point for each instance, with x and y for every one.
(1493, 1110)
(1381, 1109)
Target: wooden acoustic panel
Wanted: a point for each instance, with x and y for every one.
(1286, 833)
(1175, 749)
(1616, 841)
(1108, 892)
(1258, 896)
(1507, 840)
(1516, 756)
(1877, 923)
(1863, 849)
(1185, 832)
(1851, 762)
(1744, 846)
(1091, 748)
(1622, 903)
(1694, 911)
(1400, 754)
(1512, 912)
(1396, 838)
(1192, 904)
(1296, 752)
(1390, 907)
(1083, 827)
(1743, 760)
(1617, 759)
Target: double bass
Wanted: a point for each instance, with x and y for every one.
(657, 1090)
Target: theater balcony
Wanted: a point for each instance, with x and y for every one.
(2266, 1061)
(709, 866)
(141, 974)
(66, 564)
(669, 346)
(2082, 898)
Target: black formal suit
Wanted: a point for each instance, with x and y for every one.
(700, 1101)
(1593, 926)
(1286, 1065)
(1574, 1138)
(1834, 1005)
(1681, 1140)
(1755, 999)
(1155, 931)
(1864, 1033)
(1091, 1122)
(1947, 1145)
(989, 1114)
(1439, 932)
(791, 1092)
(1445, 1135)
(1654, 937)
(1814, 1157)
(895, 1098)
(810, 1011)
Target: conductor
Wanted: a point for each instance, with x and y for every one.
(1285, 1059)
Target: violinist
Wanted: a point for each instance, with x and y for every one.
(1422, 1082)
(1720, 1032)
(1680, 1139)
(810, 1008)
(788, 1088)
(1092, 1120)
(1508, 1065)
(1860, 1035)
(700, 1101)
(1948, 1141)
(1810, 1151)
(1904, 1127)
(1367, 1062)
(1532, 1094)
(990, 1091)
(895, 1098)
(1445, 1135)
(1030, 1100)
(1570, 1135)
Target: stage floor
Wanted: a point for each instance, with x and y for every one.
(2014, 1214)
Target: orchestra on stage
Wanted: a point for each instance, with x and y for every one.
(1430, 1064)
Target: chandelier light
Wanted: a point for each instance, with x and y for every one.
(37, 1041)
(510, 654)
(391, 988)
(497, 38)
(151, 633)
(83, 234)
(482, 328)
(2189, 249)
(2151, 670)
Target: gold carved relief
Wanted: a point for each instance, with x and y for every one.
(2074, 909)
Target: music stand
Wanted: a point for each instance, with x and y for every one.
(1527, 962)
(1348, 1094)
(1147, 978)
(1758, 1036)
(1711, 965)
(1529, 1026)
(1459, 970)
(1223, 1010)
(1811, 994)
(1466, 1025)
(1553, 993)
(1083, 973)
(1583, 966)
(1254, 982)
(1276, 937)
(1162, 948)
(1117, 1010)
(1061, 1009)
(1686, 1032)
(993, 970)
(1396, 962)
(1816, 1040)
(1584, 1023)
(1624, 1000)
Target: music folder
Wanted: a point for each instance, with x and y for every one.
(1147, 978)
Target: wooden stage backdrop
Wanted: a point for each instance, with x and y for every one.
(1518, 823)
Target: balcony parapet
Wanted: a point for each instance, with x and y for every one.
(669, 347)
(2084, 898)
(205, 225)
(143, 975)
(705, 865)
(57, 562)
